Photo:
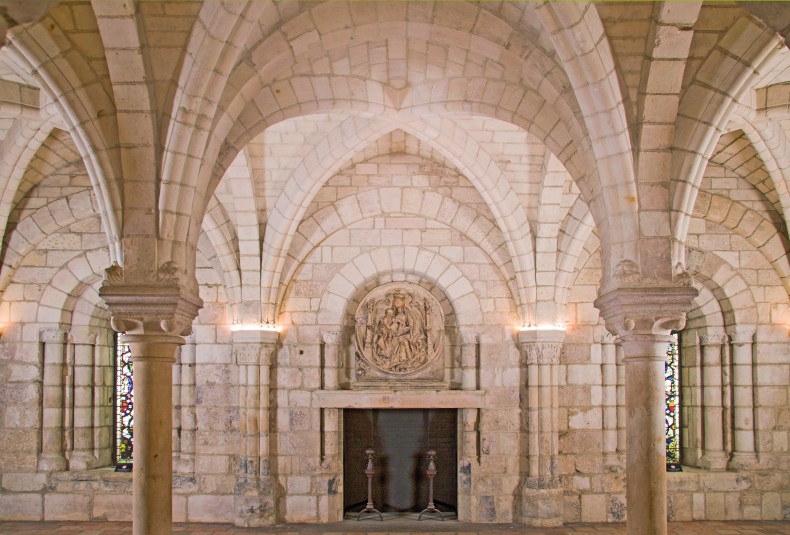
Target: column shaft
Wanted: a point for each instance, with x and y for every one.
(713, 457)
(541, 499)
(254, 499)
(331, 368)
(744, 456)
(469, 343)
(52, 454)
(646, 437)
(83, 452)
(153, 357)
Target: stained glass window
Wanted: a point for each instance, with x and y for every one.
(124, 406)
(672, 403)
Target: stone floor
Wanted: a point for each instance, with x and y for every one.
(411, 527)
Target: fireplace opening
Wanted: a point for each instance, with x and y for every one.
(401, 439)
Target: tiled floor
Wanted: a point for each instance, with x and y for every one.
(372, 526)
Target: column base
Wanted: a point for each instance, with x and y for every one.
(52, 463)
(743, 461)
(541, 503)
(253, 502)
(184, 463)
(82, 461)
(716, 461)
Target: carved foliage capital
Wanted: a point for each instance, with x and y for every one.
(541, 352)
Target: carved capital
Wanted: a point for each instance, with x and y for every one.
(150, 312)
(469, 337)
(742, 336)
(254, 347)
(637, 313)
(716, 339)
(248, 354)
(332, 338)
(541, 352)
(54, 336)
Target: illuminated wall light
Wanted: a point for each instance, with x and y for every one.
(256, 327)
(546, 327)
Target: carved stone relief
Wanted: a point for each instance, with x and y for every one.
(399, 334)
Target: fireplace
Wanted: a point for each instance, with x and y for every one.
(401, 439)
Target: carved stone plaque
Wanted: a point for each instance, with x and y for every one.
(399, 332)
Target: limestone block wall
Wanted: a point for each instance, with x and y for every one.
(407, 216)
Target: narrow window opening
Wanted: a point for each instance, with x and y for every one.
(672, 403)
(124, 407)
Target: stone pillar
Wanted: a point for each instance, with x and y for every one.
(331, 367)
(643, 318)
(52, 453)
(185, 460)
(469, 345)
(330, 423)
(254, 496)
(83, 452)
(154, 316)
(609, 395)
(713, 457)
(743, 455)
(541, 494)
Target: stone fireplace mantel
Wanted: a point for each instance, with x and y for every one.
(391, 399)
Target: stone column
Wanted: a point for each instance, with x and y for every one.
(609, 395)
(331, 367)
(541, 494)
(643, 318)
(713, 457)
(743, 456)
(52, 453)
(469, 344)
(83, 452)
(185, 460)
(254, 495)
(154, 317)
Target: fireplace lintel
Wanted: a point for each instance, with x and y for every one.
(392, 399)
